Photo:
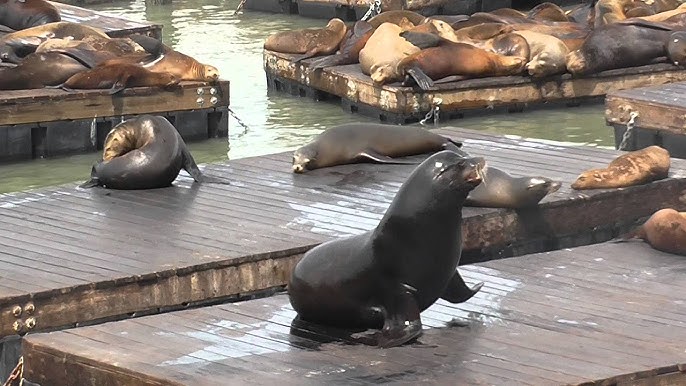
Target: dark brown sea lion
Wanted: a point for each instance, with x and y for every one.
(583, 14)
(23, 14)
(383, 278)
(119, 76)
(501, 190)
(547, 11)
(676, 48)
(620, 45)
(350, 47)
(308, 42)
(39, 70)
(448, 59)
(665, 231)
(395, 17)
(633, 168)
(368, 142)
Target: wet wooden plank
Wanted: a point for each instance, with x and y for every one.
(113, 26)
(50, 105)
(408, 103)
(106, 254)
(524, 327)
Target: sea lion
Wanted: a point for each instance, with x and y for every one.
(368, 142)
(40, 70)
(548, 12)
(384, 49)
(117, 77)
(145, 152)
(115, 46)
(582, 14)
(460, 59)
(18, 44)
(395, 17)
(547, 54)
(501, 190)
(572, 35)
(633, 168)
(676, 48)
(350, 47)
(385, 277)
(619, 45)
(494, 37)
(308, 42)
(665, 231)
(666, 15)
(22, 14)
(77, 49)
(436, 27)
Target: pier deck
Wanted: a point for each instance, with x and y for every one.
(608, 314)
(114, 26)
(661, 118)
(78, 256)
(398, 104)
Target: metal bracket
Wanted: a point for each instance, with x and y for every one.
(629, 130)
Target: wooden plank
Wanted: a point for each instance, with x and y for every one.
(349, 83)
(659, 108)
(112, 25)
(516, 333)
(49, 105)
(121, 252)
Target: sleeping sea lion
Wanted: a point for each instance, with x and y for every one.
(39, 70)
(118, 76)
(395, 17)
(384, 49)
(308, 42)
(665, 231)
(547, 54)
(383, 278)
(23, 14)
(350, 47)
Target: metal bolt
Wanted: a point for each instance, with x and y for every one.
(31, 323)
(16, 311)
(214, 100)
(200, 101)
(201, 91)
(213, 91)
(17, 325)
(29, 308)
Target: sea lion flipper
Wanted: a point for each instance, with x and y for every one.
(190, 166)
(304, 56)
(328, 61)
(423, 80)
(421, 39)
(373, 156)
(150, 45)
(402, 323)
(457, 290)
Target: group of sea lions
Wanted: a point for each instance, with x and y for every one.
(404, 46)
(75, 56)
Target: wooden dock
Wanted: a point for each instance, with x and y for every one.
(76, 256)
(47, 122)
(660, 117)
(608, 314)
(394, 103)
(113, 26)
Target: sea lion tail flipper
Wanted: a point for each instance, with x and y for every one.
(421, 39)
(402, 323)
(373, 156)
(191, 167)
(94, 181)
(150, 45)
(423, 80)
(457, 290)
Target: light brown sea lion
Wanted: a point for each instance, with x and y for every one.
(455, 59)
(23, 14)
(548, 54)
(384, 49)
(350, 47)
(665, 231)
(663, 16)
(39, 70)
(633, 168)
(436, 27)
(495, 37)
(547, 11)
(114, 46)
(395, 17)
(572, 34)
(16, 45)
(309, 42)
(77, 49)
(368, 142)
(117, 77)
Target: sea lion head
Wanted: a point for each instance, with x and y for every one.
(589, 179)
(382, 74)
(676, 48)
(444, 30)
(304, 159)
(210, 73)
(576, 63)
(336, 25)
(542, 65)
(447, 170)
(539, 187)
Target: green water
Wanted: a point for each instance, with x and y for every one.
(211, 32)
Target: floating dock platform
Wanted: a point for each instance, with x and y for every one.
(41, 123)
(659, 117)
(71, 256)
(397, 104)
(608, 314)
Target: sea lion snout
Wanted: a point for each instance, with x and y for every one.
(302, 159)
(473, 170)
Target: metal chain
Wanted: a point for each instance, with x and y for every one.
(245, 127)
(17, 373)
(374, 9)
(629, 130)
(433, 113)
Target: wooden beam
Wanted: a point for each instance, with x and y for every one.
(659, 108)
(49, 105)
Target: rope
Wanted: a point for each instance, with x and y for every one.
(374, 9)
(433, 113)
(629, 130)
(240, 122)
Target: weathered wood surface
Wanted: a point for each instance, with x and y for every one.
(349, 83)
(49, 105)
(113, 26)
(607, 314)
(661, 108)
(81, 255)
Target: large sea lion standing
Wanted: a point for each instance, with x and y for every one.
(633, 168)
(22, 14)
(385, 277)
(665, 231)
(145, 152)
(308, 42)
(370, 142)
(500, 190)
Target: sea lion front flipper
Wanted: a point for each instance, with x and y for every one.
(150, 45)
(373, 156)
(93, 182)
(421, 39)
(304, 56)
(402, 323)
(189, 164)
(457, 290)
(423, 80)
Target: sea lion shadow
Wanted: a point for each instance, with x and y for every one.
(319, 335)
